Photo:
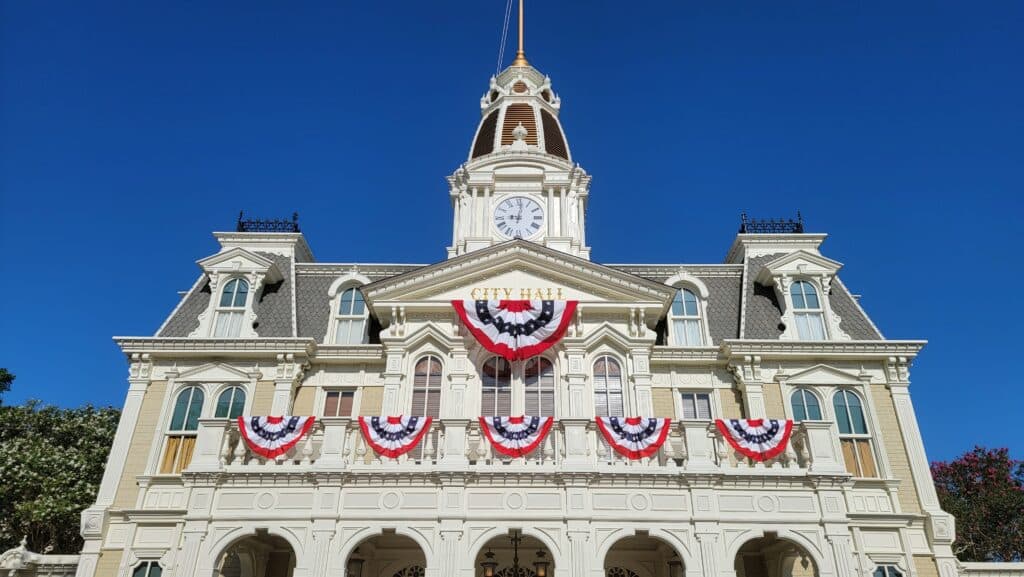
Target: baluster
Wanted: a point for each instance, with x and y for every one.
(225, 448)
(361, 450)
(428, 448)
(482, 449)
(346, 445)
(307, 450)
(547, 452)
(240, 452)
(669, 452)
(601, 451)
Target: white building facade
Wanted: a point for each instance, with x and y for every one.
(267, 330)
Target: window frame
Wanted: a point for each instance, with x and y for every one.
(806, 311)
(868, 436)
(627, 406)
(697, 317)
(805, 390)
(679, 393)
(337, 317)
(493, 411)
(430, 388)
(221, 389)
(170, 433)
(150, 563)
(539, 390)
(321, 402)
(241, 310)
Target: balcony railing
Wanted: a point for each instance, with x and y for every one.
(693, 446)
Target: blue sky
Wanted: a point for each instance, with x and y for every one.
(130, 130)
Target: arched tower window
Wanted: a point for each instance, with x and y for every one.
(807, 311)
(539, 385)
(608, 401)
(426, 387)
(684, 318)
(230, 403)
(496, 387)
(231, 308)
(350, 318)
(181, 434)
(853, 434)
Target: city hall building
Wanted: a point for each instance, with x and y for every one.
(771, 332)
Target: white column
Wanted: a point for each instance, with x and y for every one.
(712, 554)
(579, 553)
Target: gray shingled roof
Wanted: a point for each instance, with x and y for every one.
(763, 313)
(313, 307)
(854, 322)
(723, 307)
(273, 308)
(185, 318)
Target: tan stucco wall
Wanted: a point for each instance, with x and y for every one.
(926, 566)
(371, 402)
(109, 562)
(662, 403)
(892, 440)
(263, 398)
(732, 407)
(303, 404)
(773, 404)
(138, 449)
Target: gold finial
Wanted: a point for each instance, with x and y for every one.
(520, 54)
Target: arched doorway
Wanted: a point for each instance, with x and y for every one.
(514, 555)
(642, 556)
(259, 555)
(771, 556)
(386, 555)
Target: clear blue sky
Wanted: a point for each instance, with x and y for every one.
(130, 130)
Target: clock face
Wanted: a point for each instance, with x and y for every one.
(518, 217)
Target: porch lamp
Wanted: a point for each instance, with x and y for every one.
(540, 566)
(675, 567)
(355, 565)
(489, 564)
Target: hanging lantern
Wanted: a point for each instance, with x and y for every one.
(355, 565)
(675, 567)
(489, 564)
(540, 566)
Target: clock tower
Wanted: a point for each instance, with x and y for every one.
(520, 180)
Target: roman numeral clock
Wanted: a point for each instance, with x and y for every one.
(518, 217)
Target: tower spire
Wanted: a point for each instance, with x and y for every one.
(520, 54)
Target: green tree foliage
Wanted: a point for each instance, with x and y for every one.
(6, 379)
(51, 463)
(984, 490)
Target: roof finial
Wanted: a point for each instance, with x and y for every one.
(520, 54)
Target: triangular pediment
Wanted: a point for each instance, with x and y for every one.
(821, 375)
(801, 262)
(513, 270)
(241, 261)
(214, 373)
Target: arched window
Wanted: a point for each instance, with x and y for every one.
(230, 403)
(496, 387)
(853, 434)
(887, 571)
(805, 406)
(807, 311)
(426, 387)
(684, 318)
(608, 388)
(148, 569)
(350, 318)
(181, 434)
(231, 308)
(539, 385)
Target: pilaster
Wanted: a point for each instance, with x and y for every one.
(287, 378)
(747, 374)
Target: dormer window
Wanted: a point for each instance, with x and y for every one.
(684, 320)
(231, 309)
(807, 311)
(350, 318)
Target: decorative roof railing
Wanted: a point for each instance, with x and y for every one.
(267, 224)
(771, 226)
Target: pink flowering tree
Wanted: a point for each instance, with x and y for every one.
(984, 490)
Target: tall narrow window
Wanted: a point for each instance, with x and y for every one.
(350, 318)
(426, 387)
(231, 308)
(608, 401)
(539, 385)
(805, 406)
(147, 569)
(230, 403)
(853, 434)
(496, 387)
(339, 403)
(684, 319)
(181, 435)
(887, 571)
(807, 311)
(696, 405)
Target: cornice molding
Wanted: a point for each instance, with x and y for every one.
(848, 349)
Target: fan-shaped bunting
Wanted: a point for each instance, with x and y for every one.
(516, 436)
(394, 436)
(273, 436)
(759, 439)
(516, 329)
(634, 437)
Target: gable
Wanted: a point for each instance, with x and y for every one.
(214, 373)
(821, 375)
(241, 261)
(801, 262)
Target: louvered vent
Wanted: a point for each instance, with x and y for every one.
(514, 114)
(554, 142)
(519, 87)
(485, 136)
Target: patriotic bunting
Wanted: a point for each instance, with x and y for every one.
(634, 437)
(516, 436)
(273, 436)
(394, 436)
(759, 439)
(516, 329)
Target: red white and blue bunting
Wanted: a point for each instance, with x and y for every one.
(516, 436)
(272, 437)
(634, 437)
(516, 329)
(759, 439)
(394, 436)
